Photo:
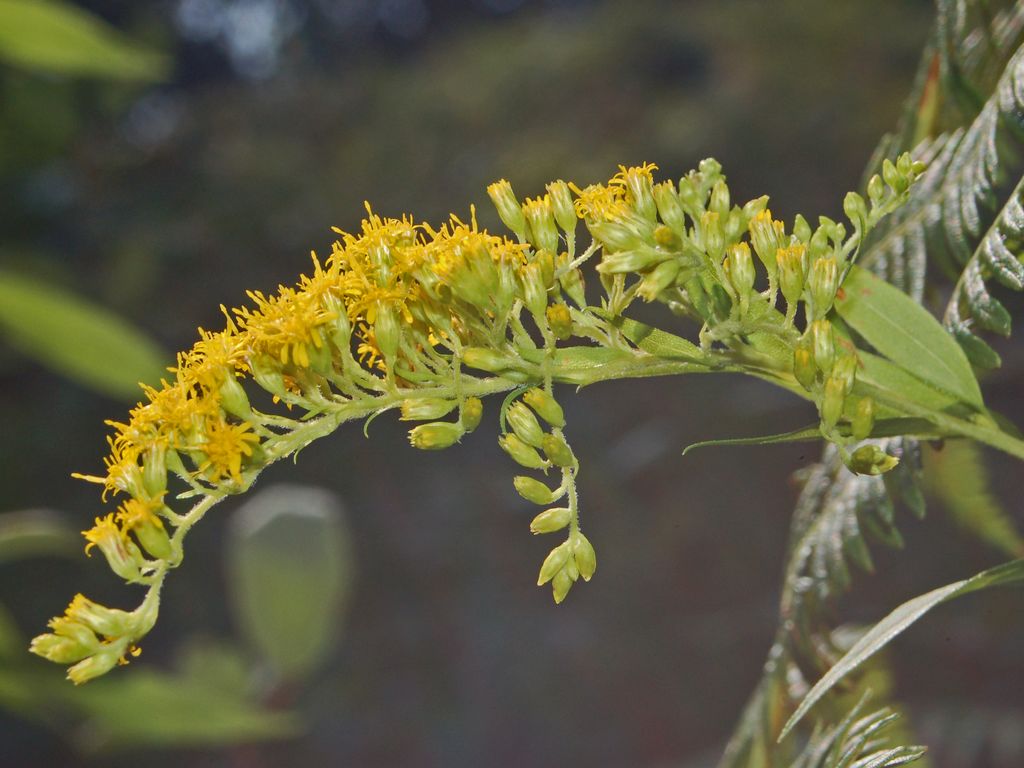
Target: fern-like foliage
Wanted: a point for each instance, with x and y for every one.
(836, 515)
(965, 119)
(961, 194)
(972, 306)
(858, 741)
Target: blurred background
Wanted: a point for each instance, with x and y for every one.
(372, 605)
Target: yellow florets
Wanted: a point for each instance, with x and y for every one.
(225, 446)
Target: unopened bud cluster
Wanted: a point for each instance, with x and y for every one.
(542, 446)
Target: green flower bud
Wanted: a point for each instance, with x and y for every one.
(522, 421)
(61, 648)
(766, 235)
(641, 190)
(534, 490)
(669, 209)
(340, 327)
(584, 555)
(535, 294)
(904, 164)
(558, 451)
(426, 408)
(824, 345)
(822, 284)
(856, 210)
(523, 454)
(387, 330)
(96, 665)
(560, 320)
(472, 412)
(753, 207)
(560, 585)
(791, 272)
(139, 516)
(667, 238)
(690, 196)
(553, 563)
(801, 229)
(485, 360)
(657, 280)
(871, 460)
(863, 418)
(845, 369)
(804, 369)
(710, 171)
(619, 235)
(832, 403)
(154, 470)
(875, 189)
(551, 520)
(509, 209)
(121, 553)
(574, 286)
(545, 405)
(436, 435)
(638, 260)
(719, 202)
(892, 176)
(233, 398)
(108, 622)
(739, 268)
(267, 373)
(734, 225)
(540, 219)
(175, 464)
(561, 204)
(546, 259)
(711, 229)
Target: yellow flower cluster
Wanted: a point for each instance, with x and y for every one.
(395, 313)
(388, 311)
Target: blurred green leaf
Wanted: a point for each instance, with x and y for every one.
(957, 475)
(158, 709)
(80, 340)
(61, 38)
(11, 640)
(290, 567)
(35, 532)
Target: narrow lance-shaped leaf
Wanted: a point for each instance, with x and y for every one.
(907, 334)
(895, 623)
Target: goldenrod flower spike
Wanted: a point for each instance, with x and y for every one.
(405, 315)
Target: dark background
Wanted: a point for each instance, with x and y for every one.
(278, 120)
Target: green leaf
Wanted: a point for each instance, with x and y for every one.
(35, 532)
(158, 709)
(290, 564)
(575, 359)
(806, 434)
(897, 427)
(958, 476)
(61, 38)
(876, 375)
(895, 623)
(657, 342)
(905, 332)
(80, 340)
